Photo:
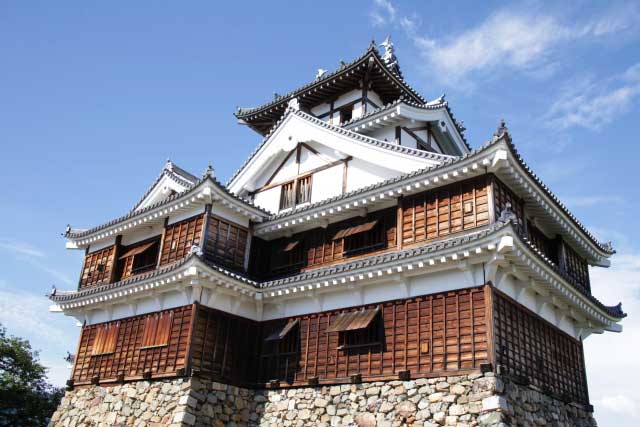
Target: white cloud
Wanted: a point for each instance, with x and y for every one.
(26, 315)
(25, 252)
(506, 40)
(383, 12)
(620, 404)
(611, 359)
(592, 103)
(20, 248)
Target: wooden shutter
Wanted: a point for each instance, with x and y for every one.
(105, 340)
(157, 329)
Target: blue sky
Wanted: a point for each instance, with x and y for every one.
(95, 97)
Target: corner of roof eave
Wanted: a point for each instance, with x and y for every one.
(507, 154)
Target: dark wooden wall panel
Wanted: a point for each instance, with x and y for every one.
(97, 267)
(318, 247)
(444, 332)
(576, 267)
(226, 243)
(179, 237)
(448, 210)
(129, 357)
(223, 346)
(503, 195)
(534, 351)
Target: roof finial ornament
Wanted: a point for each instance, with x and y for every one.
(502, 129)
(343, 64)
(320, 73)
(169, 165)
(195, 250)
(372, 45)
(276, 95)
(53, 290)
(294, 104)
(208, 172)
(507, 214)
(389, 56)
(608, 246)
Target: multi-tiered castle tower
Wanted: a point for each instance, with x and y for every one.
(363, 266)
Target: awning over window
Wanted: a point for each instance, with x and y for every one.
(282, 332)
(350, 231)
(291, 245)
(353, 320)
(137, 250)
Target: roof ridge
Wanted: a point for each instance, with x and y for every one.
(70, 233)
(338, 129)
(372, 49)
(177, 173)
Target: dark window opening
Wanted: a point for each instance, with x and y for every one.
(346, 114)
(358, 329)
(138, 259)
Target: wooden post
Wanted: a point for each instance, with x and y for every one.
(488, 301)
(491, 201)
(399, 224)
(161, 248)
(116, 253)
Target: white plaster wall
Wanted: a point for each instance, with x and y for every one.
(141, 234)
(268, 199)
(310, 160)
(362, 174)
(288, 169)
(102, 244)
(327, 183)
(224, 212)
(186, 214)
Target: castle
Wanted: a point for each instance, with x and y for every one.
(364, 266)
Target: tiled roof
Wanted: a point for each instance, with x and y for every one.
(75, 233)
(371, 51)
(355, 135)
(433, 105)
(346, 267)
(176, 173)
(451, 161)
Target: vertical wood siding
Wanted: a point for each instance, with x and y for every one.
(319, 247)
(576, 267)
(128, 357)
(444, 332)
(451, 209)
(98, 267)
(223, 346)
(534, 351)
(179, 237)
(226, 243)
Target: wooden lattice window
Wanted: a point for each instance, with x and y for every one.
(179, 238)
(157, 330)
(138, 258)
(97, 267)
(303, 192)
(530, 349)
(358, 329)
(287, 196)
(576, 267)
(105, 339)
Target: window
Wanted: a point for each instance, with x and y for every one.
(283, 340)
(346, 114)
(105, 339)
(360, 328)
(295, 192)
(287, 199)
(157, 330)
(304, 190)
(138, 258)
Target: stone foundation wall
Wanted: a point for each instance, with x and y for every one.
(470, 400)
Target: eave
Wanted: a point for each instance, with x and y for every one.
(500, 248)
(207, 190)
(400, 109)
(261, 118)
(498, 156)
(407, 152)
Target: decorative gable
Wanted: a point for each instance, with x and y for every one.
(171, 180)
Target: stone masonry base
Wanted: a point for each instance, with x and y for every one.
(471, 400)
